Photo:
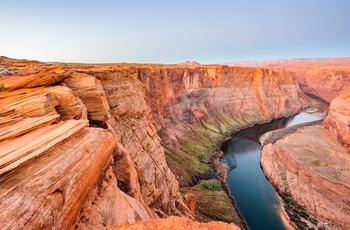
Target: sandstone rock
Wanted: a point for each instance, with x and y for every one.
(134, 129)
(325, 83)
(142, 107)
(213, 203)
(190, 94)
(111, 207)
(125, 171)
(22, 149)
(70, 106)
(190, 201)
(337, 120)
(27, 103)
(139, 165)
(14, 127)
(20, 64)
(51, 190)
(175, 223)
(35, 80)
(38, 102)
(314, 169)
(90, 91)
(323, 77)
(195, 107)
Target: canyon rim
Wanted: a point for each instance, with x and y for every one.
(91, 146)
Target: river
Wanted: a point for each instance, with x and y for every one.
(251, 190)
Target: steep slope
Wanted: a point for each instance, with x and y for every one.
(337, 120)
(311, 168)
(323, 77)
(195, 107)
(327, 83)
(55, 171)
(96, 138)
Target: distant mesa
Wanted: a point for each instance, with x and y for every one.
(189, 63)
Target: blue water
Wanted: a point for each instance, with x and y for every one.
(253, 193)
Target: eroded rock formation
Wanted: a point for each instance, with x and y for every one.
(326, 83)
(174, 223)
(337, 120)
(58, 172)
(312, 167)
(217, 99)
(86, 145)
(323, 77)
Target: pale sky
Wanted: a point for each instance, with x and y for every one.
(155, 31)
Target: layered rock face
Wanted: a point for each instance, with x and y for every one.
(326, 83)
(337, 120)
(191, 94)
(217, 98)
(133, 125)
(323, 77)
(312, 166)
(313, 169)
(174, 223)
(57, 172)
(309, 168)
(84, 146)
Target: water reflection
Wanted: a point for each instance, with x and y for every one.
(229, 161)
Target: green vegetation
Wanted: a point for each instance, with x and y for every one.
(188, 166)
(1, 86)
(213, 185)
(213, 203)
(191, 160)
(201, 142)
(191, 164)
(210, 127)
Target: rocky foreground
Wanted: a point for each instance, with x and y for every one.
(174, 223)
(89, 146)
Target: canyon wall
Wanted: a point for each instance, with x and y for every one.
(70, 159)
(323, 77)
(193, 107)
(90, 146)
(310, 169)
(326, 83)
(337, 120)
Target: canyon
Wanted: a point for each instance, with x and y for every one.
(89, 146)
(309, 165)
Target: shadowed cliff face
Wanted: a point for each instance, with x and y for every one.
(323, 77)
(194, 107)
(327, 83)
(191, 94)
(86, 145)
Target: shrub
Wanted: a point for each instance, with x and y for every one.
(213, 185)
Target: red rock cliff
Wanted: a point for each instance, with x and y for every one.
(81, 145)
(337, 120)
(312, 166)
